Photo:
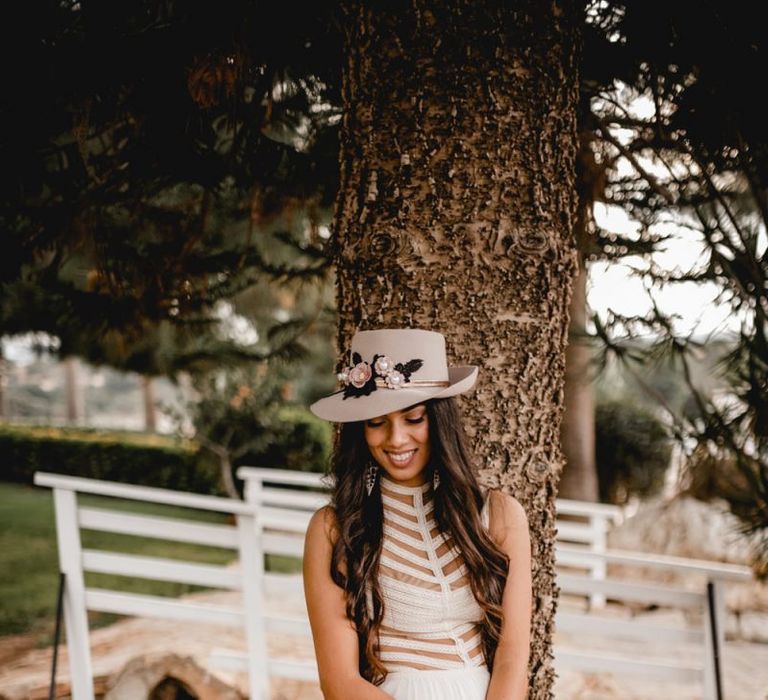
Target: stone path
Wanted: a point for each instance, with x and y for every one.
(744, 665)
(188, 646)
(113, 647)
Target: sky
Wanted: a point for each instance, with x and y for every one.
(612, 285)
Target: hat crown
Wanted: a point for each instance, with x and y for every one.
(402, 345)
(415, 370)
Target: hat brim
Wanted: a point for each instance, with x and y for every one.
(382, 401)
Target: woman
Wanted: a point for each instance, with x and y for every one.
(417, 586)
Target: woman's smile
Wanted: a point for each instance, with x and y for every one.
(399, 442)
(401, 459)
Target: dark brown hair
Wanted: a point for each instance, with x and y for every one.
(457, 506)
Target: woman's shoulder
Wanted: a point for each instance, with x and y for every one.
(505, 514)
(504, 501)
(324, 521)
(324, 517)
(321, 538)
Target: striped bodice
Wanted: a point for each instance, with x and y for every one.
(431, 618)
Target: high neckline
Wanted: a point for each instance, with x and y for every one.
(396, 487)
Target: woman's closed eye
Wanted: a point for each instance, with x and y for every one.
(377, 424)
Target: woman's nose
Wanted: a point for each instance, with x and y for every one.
(398, 435)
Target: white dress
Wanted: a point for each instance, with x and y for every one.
(430, 639)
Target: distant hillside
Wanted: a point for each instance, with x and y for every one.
(664, 377)
(36, 393)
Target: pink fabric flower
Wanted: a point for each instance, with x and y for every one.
(360, 374)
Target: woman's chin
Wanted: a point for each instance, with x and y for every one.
(408, 476)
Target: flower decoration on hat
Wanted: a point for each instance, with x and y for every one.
(361, 378)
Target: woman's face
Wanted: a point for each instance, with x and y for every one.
(399, 442)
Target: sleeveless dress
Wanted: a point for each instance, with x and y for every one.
(430, 640)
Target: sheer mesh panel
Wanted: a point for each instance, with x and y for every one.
(431, 618)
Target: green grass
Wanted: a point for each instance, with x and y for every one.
(29, 559)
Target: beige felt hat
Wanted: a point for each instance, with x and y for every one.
(390, 369)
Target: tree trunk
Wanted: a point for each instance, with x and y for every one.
(5, 413)
(227, 479)
(579, 479)
(148, 399)
(455, 213)
(224, 456)
(72, 395)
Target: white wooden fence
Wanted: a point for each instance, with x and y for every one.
(708, 602)
(592, 534)
(266, 488)
(579, 545)
(273, 520)
(243, 538)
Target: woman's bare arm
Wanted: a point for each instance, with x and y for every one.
(509, 527)
(334, 635)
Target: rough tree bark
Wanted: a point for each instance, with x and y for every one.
(455, 213)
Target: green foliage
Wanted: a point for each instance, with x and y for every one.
(709, 476)
(135, 458)
(712, 471)
(241, 417)
(300, 441)
(142, 192)
(632, 451)
(152, 173)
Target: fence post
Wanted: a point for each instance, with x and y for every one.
(75, 615)
(57, 636)
(253, 490)
(252, 564)
(714, 640)
(597, 572)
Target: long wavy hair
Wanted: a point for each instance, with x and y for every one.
(457, 507)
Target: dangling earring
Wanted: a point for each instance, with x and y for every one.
(435, 478)
(371, 473)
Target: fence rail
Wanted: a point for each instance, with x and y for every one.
(273, 520)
